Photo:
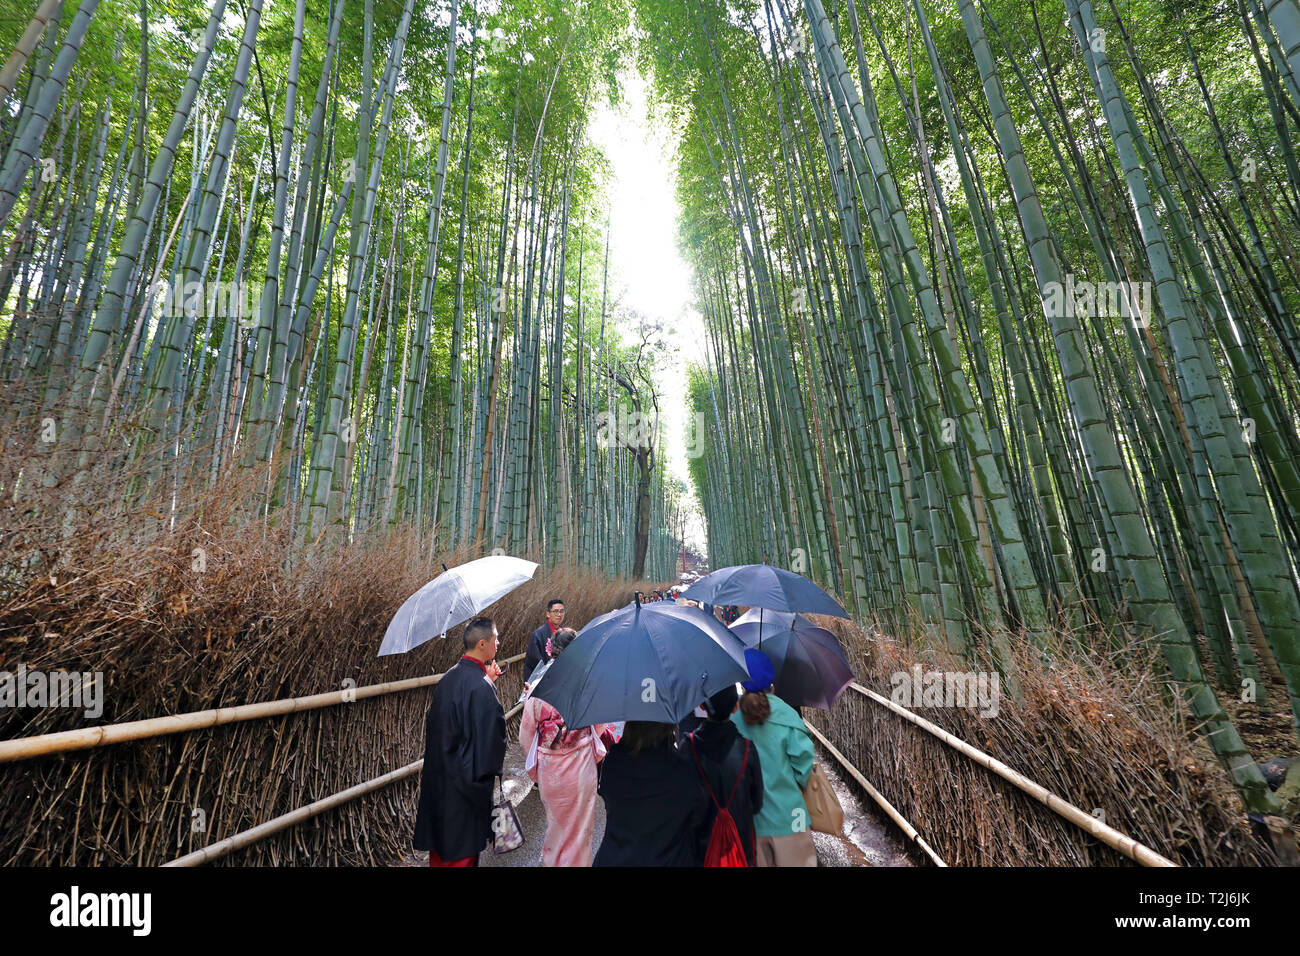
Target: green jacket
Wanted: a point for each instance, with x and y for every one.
(785, 754)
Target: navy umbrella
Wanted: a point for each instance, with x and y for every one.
(811, 669)
(651, 606)
(762, 585)
(652, 662)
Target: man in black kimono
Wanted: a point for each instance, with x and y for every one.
(536, 652)
(465, 746)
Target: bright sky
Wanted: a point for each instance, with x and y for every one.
(646, 271)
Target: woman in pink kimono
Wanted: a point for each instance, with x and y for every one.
(565, 772)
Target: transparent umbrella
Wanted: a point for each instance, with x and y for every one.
(452, 598)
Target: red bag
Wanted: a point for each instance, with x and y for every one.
(725, 848)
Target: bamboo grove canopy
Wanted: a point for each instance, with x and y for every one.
(340, 247)
(999, 296)
(1000, 302)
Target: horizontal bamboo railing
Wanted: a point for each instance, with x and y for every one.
(263, 830)
(27, 747)
(898, 818)
(1109, 835)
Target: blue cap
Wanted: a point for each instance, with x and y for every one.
(761, 672)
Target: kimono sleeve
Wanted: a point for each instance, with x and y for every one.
(488, 743)
(535, 653)
(528, 725)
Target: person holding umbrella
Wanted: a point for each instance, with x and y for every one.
(731, 769)
(645, 664)
(655, 806)
(465, 746)
(786, 752)
(565, 772)
(536, 652)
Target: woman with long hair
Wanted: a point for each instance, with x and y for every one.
(655, 806)
(565, 772)
(786, 752)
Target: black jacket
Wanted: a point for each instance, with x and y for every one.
(536, 652)
(687, 726)
(721, 751)
(654, 808)
(465, 745)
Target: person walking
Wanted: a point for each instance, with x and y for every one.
(731, 770)
(464, 748)
(786, 750)
(536, 652)
(691, 723)
(655, 805)
(565, 772)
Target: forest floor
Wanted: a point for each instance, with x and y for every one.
(1268, 729)
(1266, 733)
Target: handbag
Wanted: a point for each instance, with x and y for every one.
(825, 815)
(507, 834)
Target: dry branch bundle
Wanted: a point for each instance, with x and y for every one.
(1099, 732)
(197, 605)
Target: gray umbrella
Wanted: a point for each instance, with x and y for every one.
(811, 669)
(651, 662)
(765, 586)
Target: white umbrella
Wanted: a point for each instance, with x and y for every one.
(452, 598)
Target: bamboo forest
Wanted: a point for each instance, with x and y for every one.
(979, 315)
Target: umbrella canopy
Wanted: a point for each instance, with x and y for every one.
(609, 615)
(811, 669)
(761, 585)
(655, 662)
(452, 598)
(645, 605)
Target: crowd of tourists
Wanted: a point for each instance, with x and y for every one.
(722, 788)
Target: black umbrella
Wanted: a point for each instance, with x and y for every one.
(762, 585)
(811, 669)
(647, 662)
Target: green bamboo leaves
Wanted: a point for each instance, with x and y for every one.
(188, 278)
(999, 302)
(1041, 405)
